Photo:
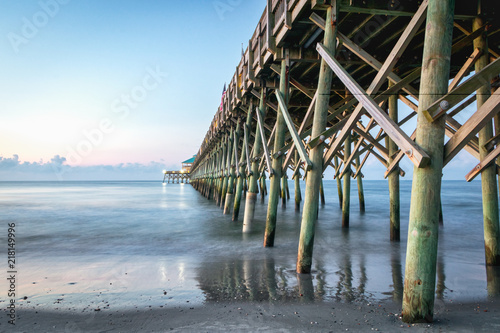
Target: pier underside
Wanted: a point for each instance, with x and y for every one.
(322, 84)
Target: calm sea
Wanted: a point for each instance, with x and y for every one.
(88, 245)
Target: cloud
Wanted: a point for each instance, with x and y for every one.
(56, 169)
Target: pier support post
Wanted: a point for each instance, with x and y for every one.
(225, 167)
(361, 192)
(242, 174)
(235, 135)
(310, 210)
(251, 197)
(263, 187)
(211, 180)
(339, 182)
(286, 187)
(277, 165)
(421, 253)
(488, 175)
(219, 180)
(322, 192)
(296, 178)
(346, 203)
(393, 177)
(283, 189)
(239, 192)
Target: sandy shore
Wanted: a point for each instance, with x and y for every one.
(265, 316)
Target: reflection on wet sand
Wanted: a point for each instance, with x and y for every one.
(353, 277)
(397, 275)
(306, 287)
(493, 281)
(252, 280)
(263, 280)
(345, 291)
(441, 277)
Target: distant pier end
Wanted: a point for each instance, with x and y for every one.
(181, 176)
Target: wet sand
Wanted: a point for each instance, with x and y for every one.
(264, 316)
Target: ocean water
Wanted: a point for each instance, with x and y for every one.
(118, 245)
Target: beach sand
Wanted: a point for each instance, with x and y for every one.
(264, 316)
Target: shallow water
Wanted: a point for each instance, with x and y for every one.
(88, 245)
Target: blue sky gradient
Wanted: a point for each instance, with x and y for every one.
(92, 85)
(69, 65)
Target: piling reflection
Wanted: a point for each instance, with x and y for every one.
(441, 277)
(341, 271)
(397, 275)
(493, 281)
(306, 288)
(344, 286)
(256, 280)
(345, 290)
(271, 280)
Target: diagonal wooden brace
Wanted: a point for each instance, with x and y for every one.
(263, 159)
(411, 149)
(305, 123)
(379, 98)
(439, 107)
(483, 164)
(293, 131)
(469, 129)
(465, 69)
(264, 142)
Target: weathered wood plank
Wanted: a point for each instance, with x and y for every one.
(385, 69)
(362, 54)
(397, 158)
(442, 105)
(470, 128)
(483, 164)
(467, 32)
(305, 122)
(465, 69)
(467, 39)
(414, 152)
(293, 131)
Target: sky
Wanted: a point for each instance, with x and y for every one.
(120, 89)
(115, 83)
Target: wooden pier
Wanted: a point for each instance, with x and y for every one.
(319, 87)
(175, 177)
(181, 176)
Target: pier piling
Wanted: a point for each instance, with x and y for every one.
(276, 171)
(327, 77)
(314, 176)
(420, 271)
